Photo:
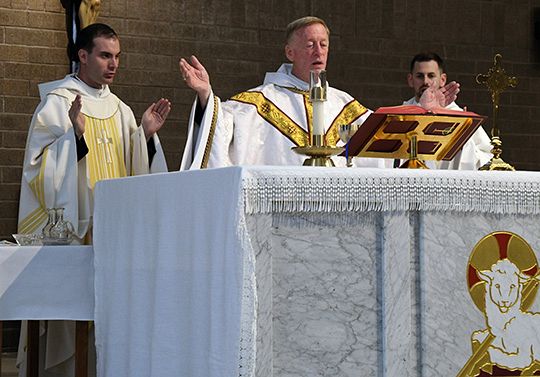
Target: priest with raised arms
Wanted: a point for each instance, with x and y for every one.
(261, 125)
(80, 134)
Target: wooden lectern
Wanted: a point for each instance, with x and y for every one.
(411, 132)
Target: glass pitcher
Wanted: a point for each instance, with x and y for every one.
(62, 229)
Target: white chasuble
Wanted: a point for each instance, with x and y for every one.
(261, 125)
(52, 174)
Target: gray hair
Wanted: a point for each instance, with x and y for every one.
(303, 22)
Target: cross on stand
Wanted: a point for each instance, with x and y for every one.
(497, 81)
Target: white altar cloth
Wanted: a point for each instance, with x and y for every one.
(46, 282)
(169, 252)
(178, 295)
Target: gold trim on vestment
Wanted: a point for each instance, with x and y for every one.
(31, 222)
(308, 106)
(281, 121)
(350, 113)
(275, 116)
(208, 147)
(105, 158)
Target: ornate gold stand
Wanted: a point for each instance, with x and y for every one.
(496, 162)
(319, 154)
(413, 162)
(497, 81)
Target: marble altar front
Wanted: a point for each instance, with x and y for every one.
(293, 272)
(380, 291)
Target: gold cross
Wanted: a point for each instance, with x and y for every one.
(104, 140)
(496, 80)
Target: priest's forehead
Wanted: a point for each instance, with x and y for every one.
(296, 25)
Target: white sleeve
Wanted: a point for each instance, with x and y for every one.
(209, 145)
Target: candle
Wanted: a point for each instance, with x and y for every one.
(317, 96)
(318, 118)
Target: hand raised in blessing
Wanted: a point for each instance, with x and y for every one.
(195, 76)
(154, 117)
(77, 119)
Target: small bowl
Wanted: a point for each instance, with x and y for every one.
(27, 239)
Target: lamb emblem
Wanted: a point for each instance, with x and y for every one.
(503, 278)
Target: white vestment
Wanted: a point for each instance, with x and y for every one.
(260, 126)
(475, 153)
(53, 177)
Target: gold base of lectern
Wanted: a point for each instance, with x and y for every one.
(413, 164)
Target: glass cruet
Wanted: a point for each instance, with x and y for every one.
(50, 223)
(63, 229)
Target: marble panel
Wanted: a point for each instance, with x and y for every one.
(324, 288)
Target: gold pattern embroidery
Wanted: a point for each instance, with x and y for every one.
(31, 222)
(38, 216)
(104, 141)
(275, 116)
(208, 147)
(350, 112)
(307, 105)
(281, 121)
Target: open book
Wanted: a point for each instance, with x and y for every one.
(440, 133)
(418, 110)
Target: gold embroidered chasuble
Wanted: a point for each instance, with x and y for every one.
(259, 126)
(290, 129)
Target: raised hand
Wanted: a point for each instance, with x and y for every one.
(77, 119)
(450, 92)
(433, 98)
(154, 117)
(195, 76)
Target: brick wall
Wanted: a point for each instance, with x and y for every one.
(238, 41)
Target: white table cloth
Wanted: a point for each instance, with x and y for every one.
(169, 277)
(46, 282)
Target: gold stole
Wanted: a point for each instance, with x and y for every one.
(290, 129)
(105, 158)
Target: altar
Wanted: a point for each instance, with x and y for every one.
(286, 271)
(299, 271)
